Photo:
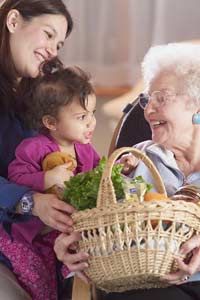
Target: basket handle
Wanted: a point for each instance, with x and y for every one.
(106, 194)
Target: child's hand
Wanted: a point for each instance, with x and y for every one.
(57, 176)
(130, 162)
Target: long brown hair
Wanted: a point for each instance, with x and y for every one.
(28, 10)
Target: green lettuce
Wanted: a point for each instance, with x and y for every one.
(81, 190)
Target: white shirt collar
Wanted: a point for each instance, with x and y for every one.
(165, 155)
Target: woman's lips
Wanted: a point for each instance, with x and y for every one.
(40, 57)
(156, 124)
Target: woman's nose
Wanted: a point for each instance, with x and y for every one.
(52, 50)
(151, 106)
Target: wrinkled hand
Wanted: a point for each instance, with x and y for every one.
(53, 212)
(186, 269)
(57, 176)
(130, 162)
(65, 248)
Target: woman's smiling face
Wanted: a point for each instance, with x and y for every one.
(35, 41)
(171, 119)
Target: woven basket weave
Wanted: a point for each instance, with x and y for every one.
(126, 250)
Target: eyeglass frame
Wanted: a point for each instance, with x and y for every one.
(148, 97)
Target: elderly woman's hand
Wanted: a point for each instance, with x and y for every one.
(53, 212)
(191, 247)
(65, 248)
(129, 163)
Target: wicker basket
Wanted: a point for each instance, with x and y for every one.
(126, 250)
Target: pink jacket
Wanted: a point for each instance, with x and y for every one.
(26, 168)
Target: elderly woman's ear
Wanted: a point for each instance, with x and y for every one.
(196, 118)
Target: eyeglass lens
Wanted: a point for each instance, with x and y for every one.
(143, 100)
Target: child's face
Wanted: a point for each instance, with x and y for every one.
(74, 123)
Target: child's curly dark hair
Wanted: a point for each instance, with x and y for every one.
(44, 95)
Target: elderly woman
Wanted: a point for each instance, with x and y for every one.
(171, 104)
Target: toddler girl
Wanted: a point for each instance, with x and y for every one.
(60, 105)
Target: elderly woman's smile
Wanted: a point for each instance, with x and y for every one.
(169, 111)
(156, 124)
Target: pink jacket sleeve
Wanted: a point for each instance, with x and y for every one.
(96, 158)
(26, 168)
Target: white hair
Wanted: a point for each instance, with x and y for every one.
(182, 59)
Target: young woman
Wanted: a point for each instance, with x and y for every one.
(31, 32)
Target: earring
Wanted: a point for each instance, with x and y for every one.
(196, 119)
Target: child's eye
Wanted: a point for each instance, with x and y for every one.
(82, 117)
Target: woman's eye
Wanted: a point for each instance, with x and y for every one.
(161, 98)
(48, 34)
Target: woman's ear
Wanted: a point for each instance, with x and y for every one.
(49, 122)
(13, 20)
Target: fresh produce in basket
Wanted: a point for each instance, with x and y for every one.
(125, 250)
(189, 193)
(152, 196)
(81, 190)
(135, 188)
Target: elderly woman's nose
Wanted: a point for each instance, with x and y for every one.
(150, 106)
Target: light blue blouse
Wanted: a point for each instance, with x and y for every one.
(172, 176)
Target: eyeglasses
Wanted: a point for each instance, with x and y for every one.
(159, 97)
